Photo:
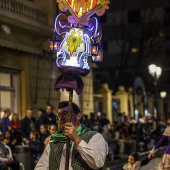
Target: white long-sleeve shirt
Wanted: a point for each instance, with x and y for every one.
(2, 153)
(93, 153)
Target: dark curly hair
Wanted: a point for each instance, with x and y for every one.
(75, 108)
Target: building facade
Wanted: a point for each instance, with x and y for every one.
(27, 68)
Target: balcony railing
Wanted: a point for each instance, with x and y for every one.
(24, 9)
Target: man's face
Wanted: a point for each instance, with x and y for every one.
(29, 114)
(49, 109)
(63, 116)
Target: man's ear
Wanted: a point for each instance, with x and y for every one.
(79, 116)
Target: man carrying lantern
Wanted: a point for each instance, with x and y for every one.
(88, 148)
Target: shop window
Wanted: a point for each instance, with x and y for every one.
(6, 93)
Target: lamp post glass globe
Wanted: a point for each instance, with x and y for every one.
(163, 94)
(155, 71)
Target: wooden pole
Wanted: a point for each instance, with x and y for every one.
(68, 120)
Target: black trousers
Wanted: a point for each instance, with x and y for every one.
(14, 165)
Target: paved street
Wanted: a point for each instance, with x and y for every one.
(152, 165)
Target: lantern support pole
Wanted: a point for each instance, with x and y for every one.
(68, 120)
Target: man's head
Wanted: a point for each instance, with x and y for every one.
(7, 112)
(49, 108)
(76, 117)
(29, 112)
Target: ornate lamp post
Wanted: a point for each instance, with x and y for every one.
(163, 95)
(155, 71)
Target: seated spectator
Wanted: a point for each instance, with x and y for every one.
(144, 137)
(104, 120)
(52, 130)
(44, 133)
(133, 120)
(5, 159)
(87, 122)
(134, 163)
(15, 125)
(9, 140)
(108, 138)
(115, 138)
(35, 146)
(97, 127)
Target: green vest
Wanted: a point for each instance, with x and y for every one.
(77, 162)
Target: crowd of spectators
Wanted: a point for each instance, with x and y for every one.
(124, 135)
(28, 131)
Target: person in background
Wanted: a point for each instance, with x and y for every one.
(6, 121)
(9, 140)
(40, 117)
(108, 137)
(52, 130)
(87, 122)
(104, 120)
(28, 124)
(6, 160)
(35, 146)
(48, 117)
(44, 133)
(134, 163)
(15, 125)
(88, 148)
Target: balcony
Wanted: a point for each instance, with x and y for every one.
(26, 15)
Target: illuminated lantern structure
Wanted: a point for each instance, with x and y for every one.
(78, 38)
(78, 35)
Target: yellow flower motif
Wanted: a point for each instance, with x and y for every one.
(74, 41)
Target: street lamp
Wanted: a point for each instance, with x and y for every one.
(163, 94)
(155, 71)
